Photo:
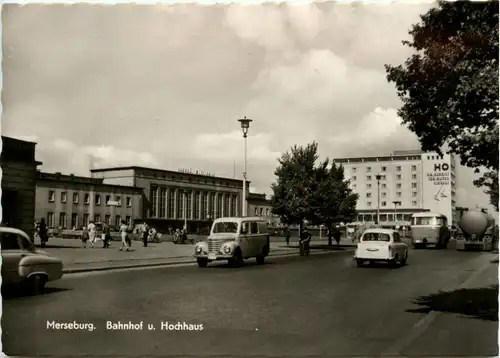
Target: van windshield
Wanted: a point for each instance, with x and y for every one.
(225, 227)
(375, 236)
(425, 221)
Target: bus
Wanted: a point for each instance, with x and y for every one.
(429, 229)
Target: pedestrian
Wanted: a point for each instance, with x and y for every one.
(92, 233)
(145, 233)
(85, 236)
(106, 230)
(124, 235)
(337, 234)
(43, 232)
(287, 235)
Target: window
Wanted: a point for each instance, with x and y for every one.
(398, 177)
(97, 199)
(413, 168)
(118, 220)
(384, 177)
(398, 186)
(118, 199)
(375, 236)
(368, 203)
(384, 195)
(108, 199)
(414, 194)
(424, 221)
(107, 219)
(261, 211)
(233, 206)
(86, 199)
(85, 219)
(254, 228)
(414, 203)
(256, 213)
(368, 169)
(74, 220)
(354, 170)
(368, 195)
(197, 213)
(368, 177)
(154, 201)
(62, 220)
(384, 203)
(52, 196)
(267, 212)
(128, 220)
(225, 227)
(171, 203)
(226, 205)
(129, 198)
(399, 194)
(398, 168)
(75, 198)
(384, 186)
(219, 206)
(413, 185)
(354, 186)
(50, 220)
(369, 186)
(384, 169)
(354, 177)
(97, 218)
(163, 198)
(9, 241)
(64, 197)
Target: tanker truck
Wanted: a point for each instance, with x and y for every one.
(475, 231)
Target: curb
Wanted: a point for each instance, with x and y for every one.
(166, 264)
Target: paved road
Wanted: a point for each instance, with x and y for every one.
(293, 307)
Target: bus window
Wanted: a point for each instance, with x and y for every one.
(424, 221)
(440, 221)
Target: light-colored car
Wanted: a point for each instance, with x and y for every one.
(234, 239)
(381, 245)
(23, 264)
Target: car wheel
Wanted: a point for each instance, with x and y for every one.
(260, 259)
(359, 263)
(202, 262)
(36, 284)
(236, 260)
(403, 261)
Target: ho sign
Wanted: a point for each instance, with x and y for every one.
(444, 167)
(440, 175)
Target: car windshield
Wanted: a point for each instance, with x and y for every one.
(376, 236)
(225, 227)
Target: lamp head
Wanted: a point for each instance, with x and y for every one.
(245, 124)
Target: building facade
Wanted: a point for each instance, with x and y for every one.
(259, 205)
(69, 201)
(172, 198)
(19, 169)
(410, 182)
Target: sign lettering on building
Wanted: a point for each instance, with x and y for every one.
(198, 172)
(440, 175)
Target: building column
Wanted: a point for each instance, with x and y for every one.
(200, 201)
(216, 203)
(166, 202)
(231, 205)
(191, 209)
(158, 189)
(176, 195)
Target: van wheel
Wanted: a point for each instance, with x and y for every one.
(36, 284)
(359, 263)
(236, 260)
(202, 262)
(260, 259)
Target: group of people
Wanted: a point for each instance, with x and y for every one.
(90, 235)
(305, 236)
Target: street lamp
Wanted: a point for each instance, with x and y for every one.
(378, 177)
(185, 210)
(396, 203)
(245, 124)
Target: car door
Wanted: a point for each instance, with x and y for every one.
(12, 254)
(254, 238)
(243, 239)
(398, 244)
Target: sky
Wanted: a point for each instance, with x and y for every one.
(163, 86)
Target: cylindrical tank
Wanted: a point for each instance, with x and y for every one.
(475, 222)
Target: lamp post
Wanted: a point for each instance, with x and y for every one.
(396, 203)
(245, 124)
(378, 177)
(185, 210)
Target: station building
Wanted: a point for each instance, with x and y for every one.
(70, 201)
(19, 169)
(259, 205)
(410, 182)
(172, 198)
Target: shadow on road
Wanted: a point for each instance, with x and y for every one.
(17, 292)
(480, 303)
(495, 261)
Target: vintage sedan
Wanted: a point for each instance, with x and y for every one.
(23, 264)
(381, 245)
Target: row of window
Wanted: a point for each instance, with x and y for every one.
(398, 194)
(384, 169)
(86, 198)
(384, 177)
(261, 211)
(384, 186)
(62, 220)
(384, 203)
(384, 217)
(178, 203)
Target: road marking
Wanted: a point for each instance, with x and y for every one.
(423, 324)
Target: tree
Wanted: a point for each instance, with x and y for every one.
(334, 200)
(449, 86)
(294, 188)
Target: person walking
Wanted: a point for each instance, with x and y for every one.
(106, 230)
(92, 233)
(145, 233)
(337, 235)
(85, 236)
(287, 235)
(43, 232)
(124, 235)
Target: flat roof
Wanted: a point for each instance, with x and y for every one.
(134, 167)
(71, 178)
(378, 158)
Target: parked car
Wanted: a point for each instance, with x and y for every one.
(381, 245)
(23, 264)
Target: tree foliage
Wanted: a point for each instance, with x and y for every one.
(304, 191)
(449, 86)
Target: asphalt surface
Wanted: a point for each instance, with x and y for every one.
(321, 305)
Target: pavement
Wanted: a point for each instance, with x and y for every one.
(78, 259)
(443, 303)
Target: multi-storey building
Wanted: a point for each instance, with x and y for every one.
(407, 181)
(19, 169)
(259, 205)
(69, 201)
(173, 198)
